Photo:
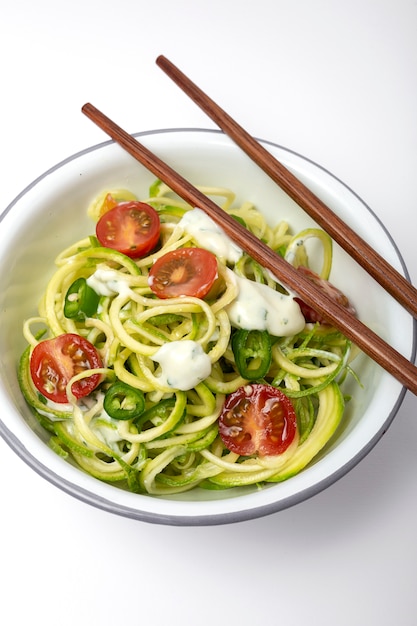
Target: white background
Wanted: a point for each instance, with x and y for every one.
(333, 80)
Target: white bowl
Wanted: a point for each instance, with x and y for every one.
(51, 213)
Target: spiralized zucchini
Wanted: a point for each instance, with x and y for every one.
(174, 445)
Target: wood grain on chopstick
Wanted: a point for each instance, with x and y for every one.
(383, 354)
(387, 276)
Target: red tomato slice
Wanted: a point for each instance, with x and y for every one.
(132, 228)
(333, 292)
(183, 272)
(55, 361)
(257, 419)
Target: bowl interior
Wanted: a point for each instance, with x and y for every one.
(51, 214)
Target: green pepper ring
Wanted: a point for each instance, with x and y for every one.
(123, 402)
(248, 345)
(80, 300)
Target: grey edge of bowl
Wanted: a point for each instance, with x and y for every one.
(203, 520)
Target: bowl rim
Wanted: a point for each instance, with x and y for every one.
(240, 514)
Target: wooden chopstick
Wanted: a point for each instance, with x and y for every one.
(388, 277)
(382, 353)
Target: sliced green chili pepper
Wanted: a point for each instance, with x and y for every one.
(123, 402)
(252, 352)
(154, 188)
(239, 219)
(158, 412)
(81, 300)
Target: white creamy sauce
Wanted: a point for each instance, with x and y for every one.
(55, 406)
(108, 433)
(184, 364)
(58, 406)
(107, 282)
(259, 307)
(210, 236)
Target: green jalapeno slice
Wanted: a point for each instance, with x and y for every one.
(252, 352)
(157, 413)
(123, 402)
(81, 300)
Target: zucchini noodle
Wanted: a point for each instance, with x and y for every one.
(174, 444)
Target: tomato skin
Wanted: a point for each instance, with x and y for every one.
(183, 272)
(259, 419)
(333, 292)
(55, 361)
(132, 228)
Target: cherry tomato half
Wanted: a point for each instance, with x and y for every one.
(55, 361)
(310, 315)
(132, 228)
(257, 419)
(183, 272)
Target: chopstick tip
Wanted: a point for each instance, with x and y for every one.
(90, 110)
(86, 107)
(162, 60)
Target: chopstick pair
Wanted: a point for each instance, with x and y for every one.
(369, 342)
(391, 280)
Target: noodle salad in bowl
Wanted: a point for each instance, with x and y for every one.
(165, 374)
(167, 366)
